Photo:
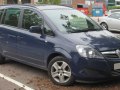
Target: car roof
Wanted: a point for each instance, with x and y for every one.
(41, 7)
(48, 7)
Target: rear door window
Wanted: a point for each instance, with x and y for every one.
(11, 17)
(1, 14)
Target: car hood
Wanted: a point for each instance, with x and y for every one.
(102, 40)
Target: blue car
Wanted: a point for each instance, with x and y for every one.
(61, 40)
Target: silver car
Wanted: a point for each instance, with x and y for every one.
(110, 22)
(113, 11)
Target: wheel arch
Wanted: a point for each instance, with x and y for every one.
(105, 23)
(58, 52)
(1, 50)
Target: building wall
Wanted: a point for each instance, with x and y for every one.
(32, 1)
(117, 2)
(1, 2)
(10, 1)
(66, 2)
(72, 3)
(75, 2)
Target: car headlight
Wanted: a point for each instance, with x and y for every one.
(88, 52)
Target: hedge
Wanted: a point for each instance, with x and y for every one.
(113, 7)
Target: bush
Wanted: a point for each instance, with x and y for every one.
(57, 2)
(113, 7)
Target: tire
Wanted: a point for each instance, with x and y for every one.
(104, 25)
(60, 74)
(2, 59)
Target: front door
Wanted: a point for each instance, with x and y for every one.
(31, 45)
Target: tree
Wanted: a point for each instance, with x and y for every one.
(57, 2)
(42, 1)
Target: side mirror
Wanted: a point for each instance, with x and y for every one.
(35, 29)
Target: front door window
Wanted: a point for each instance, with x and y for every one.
(31, 18)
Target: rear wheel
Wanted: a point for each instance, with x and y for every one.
(104, 25)
(60, 71)
(2, 59)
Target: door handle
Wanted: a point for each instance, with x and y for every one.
(19, 37)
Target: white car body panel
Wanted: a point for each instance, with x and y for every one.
(113, 24)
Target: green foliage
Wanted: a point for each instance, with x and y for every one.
(113, 7)
(57, 2)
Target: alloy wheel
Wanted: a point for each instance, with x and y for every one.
(104, 25)
(61, 71)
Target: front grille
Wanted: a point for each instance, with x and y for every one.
(116, 73)
(110, 54)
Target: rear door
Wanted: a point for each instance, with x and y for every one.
(8, 30)
(2, 35)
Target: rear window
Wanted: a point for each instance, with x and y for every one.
(1, 14)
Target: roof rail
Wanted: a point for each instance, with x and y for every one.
(33, 5)
(28, 4)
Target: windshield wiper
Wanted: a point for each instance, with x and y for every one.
(74, 31)
(90, 29)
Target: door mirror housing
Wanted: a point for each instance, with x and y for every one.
(36, 29)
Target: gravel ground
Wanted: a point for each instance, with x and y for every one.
(45, 84)
(5, 85)
(39, 80)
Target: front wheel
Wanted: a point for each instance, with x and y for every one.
(60, 71)
(104, 25)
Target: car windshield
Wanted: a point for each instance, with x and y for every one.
(71, 21)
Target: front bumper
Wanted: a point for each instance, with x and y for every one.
(95, 70)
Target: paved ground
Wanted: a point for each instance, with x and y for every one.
(38, 79)
(5, 85)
